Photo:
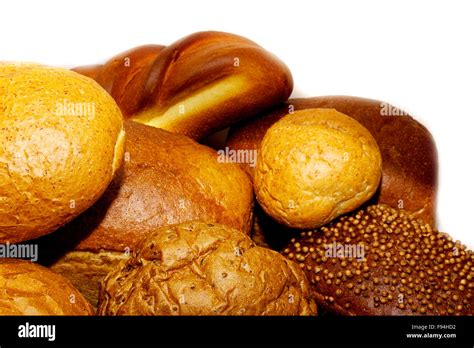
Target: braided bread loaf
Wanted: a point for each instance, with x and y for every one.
(202, 83)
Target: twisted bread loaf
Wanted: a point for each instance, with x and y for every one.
(202, 83)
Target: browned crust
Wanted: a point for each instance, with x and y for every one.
(205, 269)
(339, 149)
(86, 269)
(157, 78)
(166, 179)
(409, 156)
(30, 289)
(61, 142)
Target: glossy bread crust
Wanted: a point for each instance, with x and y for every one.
(200, 84)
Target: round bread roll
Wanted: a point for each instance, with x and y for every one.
(29, 289)
(166, 179)
(197, 268)
(315, 165)
(61, 142)
(409, 156)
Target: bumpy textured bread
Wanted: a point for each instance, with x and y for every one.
(202, 83)
(205, 269)
(30, 289)
(166, 179)
(409, 158)
(61, 141)
(314, 165)
(381, 261)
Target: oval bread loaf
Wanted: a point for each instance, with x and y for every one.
(61, 142)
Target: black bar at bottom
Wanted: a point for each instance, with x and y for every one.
(288, 331)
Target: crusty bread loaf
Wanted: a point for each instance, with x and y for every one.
(382, 261)
(30, 289)
(61, 141)
(166, 179)
(202, 83)
(198, 268)
(315, 165)
(409, 158)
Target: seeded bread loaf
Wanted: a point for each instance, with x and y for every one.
(409, 158)
(382, 261)
(166, 179)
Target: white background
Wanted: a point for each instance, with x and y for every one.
(418, 55)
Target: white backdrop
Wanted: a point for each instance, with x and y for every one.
(418, 55)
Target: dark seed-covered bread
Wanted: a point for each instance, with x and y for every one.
(381, 261)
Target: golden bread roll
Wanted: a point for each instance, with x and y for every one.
(315, 165)
(166, 179)
(197, 268)
(381, 261)
(29, 289)
(61, 141)
(200, 84)
(409, 156)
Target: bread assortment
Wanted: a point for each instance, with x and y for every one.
(200, 84)
(315, 165)
(53, 166)
(205, 269)
(165, 179)
(29, 289)
(320, 203)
